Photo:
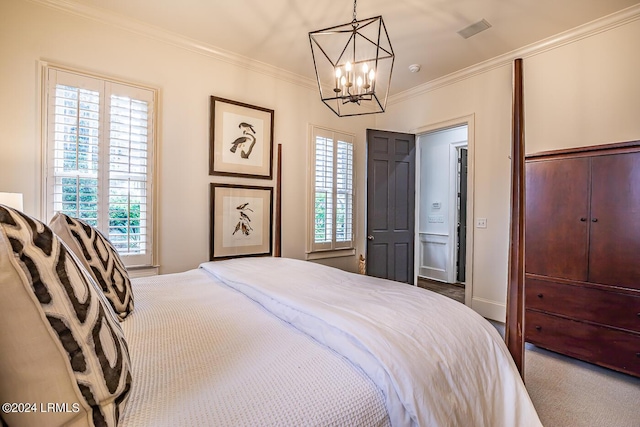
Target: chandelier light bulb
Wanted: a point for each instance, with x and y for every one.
(372, 73)
(337, 89)
(348, 66)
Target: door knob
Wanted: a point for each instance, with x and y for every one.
(583, 219)
(369, 237)
(594, 219)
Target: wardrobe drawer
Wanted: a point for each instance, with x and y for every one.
(583, 303)
(603, 346)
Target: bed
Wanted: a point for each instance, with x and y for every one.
(274, 341)
(240, 342)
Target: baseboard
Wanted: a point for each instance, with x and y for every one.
(489, 309)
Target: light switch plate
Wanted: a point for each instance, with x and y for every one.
(481, 222)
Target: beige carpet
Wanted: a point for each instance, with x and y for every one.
(569, 393)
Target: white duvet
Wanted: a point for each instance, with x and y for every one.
(437, 362)
(205, 355)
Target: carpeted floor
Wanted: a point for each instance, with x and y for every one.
(570, 393)
(567, 392)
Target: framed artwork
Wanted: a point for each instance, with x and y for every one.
(241, 139)
(241, 218)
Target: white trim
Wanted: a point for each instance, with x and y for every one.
(159, 34)
(489, 309)
(589, 29)
(135, 272)
(437, 242)
(599, 25)
(335, 253)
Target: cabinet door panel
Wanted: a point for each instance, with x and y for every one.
(614, 257)
(556, 227)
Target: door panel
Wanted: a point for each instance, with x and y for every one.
(557, 212)
(390, 205)
(615, 224)
(379, 203)
(403, 272)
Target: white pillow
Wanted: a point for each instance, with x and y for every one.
(60, 340)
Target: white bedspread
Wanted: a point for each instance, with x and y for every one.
(206, 355)
(437, 362)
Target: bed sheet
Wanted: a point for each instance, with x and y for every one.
(205, 355)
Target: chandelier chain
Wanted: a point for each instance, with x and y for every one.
(354, 10)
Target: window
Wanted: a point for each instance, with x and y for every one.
(99, 140)
(331, 177)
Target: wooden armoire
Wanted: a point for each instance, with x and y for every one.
(582, 254)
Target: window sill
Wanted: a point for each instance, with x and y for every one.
(143, 271)
(336, 253)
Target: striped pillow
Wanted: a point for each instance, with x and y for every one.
(100, 259)
(60, 340)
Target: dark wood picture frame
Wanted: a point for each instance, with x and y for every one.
(241, 221)
(241, 139)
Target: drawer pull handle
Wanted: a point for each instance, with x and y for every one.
(594, 219)
(583, 219)
(540, 296)
(538, 328)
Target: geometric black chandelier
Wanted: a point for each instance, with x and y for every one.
(353, 64)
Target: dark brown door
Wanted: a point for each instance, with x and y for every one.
(615, 220)
(390, 205)
(557, 214)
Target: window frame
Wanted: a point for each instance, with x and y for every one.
(139, 262)
(331, 248)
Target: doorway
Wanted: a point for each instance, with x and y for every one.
(442, 190)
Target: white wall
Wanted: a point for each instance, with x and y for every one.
(584, 92)
(581, 93)
(186, 78)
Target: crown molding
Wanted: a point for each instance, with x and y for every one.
(177, 40)
(589, 29)
(603, 24)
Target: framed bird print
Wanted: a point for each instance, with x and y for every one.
(241, 139)
(241, 219)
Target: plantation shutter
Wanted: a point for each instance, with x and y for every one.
(99, 140)
(344, 194)
(332, 191)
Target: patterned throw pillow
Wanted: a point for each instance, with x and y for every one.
(100, 258)
(63, 353)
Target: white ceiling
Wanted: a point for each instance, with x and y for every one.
(421, 31)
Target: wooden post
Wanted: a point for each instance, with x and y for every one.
(277, 251)
(514, 334)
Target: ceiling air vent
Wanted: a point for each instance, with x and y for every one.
(474, 29)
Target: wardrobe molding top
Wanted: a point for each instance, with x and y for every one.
(616, 147)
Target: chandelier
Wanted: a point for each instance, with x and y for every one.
(353, 64)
